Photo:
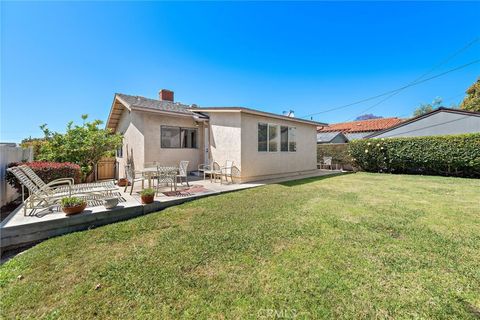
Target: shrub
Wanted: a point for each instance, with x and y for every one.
(452, 155)
(47, 171)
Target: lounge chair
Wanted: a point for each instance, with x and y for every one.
(46, 196)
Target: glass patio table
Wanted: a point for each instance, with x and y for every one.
(151, 172)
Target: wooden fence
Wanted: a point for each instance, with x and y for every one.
(106, 169)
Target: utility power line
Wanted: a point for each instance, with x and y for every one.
(445, 61)
(395, 90)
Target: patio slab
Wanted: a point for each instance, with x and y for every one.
(18, 230)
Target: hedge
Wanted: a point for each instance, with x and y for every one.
(452, 155)
(338, 152)
(47, 171)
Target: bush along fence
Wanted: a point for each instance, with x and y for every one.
(338, 152)
(453, 155)
(47, 171)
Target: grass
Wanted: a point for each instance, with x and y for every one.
(351, 246)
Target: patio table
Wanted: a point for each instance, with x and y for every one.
(149, 173)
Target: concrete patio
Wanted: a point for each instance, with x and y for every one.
(19, 230)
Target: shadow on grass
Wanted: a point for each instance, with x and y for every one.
(299, 182)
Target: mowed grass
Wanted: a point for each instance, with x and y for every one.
(351, 246)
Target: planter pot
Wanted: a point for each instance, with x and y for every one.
(122, 182)
(74, 210)
(147, 199)
(110, 203)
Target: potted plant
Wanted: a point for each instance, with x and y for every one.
(122, 182)
(147, 195)
(73, 205)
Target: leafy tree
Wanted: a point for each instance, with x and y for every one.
(35, 143)
(367, 117)
(82, 144)
(472, 100)
(428, 107)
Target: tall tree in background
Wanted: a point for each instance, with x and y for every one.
(367, 116)
(472, 100)
(427, 107)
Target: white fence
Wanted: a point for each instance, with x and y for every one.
(10, 154)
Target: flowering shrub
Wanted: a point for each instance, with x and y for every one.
(47, 171)
(453, 155)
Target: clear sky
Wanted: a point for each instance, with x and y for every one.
(60, 60)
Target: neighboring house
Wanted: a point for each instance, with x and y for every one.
(331, 137)
(353, 130)
(442, 121)
(261, 144)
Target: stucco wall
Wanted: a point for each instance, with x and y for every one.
(441, 123)
(170, 156)
(258, 165)
(225, 138)
(131, 126)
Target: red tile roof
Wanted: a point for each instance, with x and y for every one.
(362, 126)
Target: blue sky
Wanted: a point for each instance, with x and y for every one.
(60, 60)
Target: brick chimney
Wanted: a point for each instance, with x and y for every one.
(165, 95)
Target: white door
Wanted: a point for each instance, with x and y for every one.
(206, 145)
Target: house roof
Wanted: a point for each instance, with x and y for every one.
(361, 126)
(122, 101)
(255, 112)
(428, 114)
(325, 137)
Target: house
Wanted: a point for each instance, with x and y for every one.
(353, 130)
(442, 121)
(331, 137)
(262, 145)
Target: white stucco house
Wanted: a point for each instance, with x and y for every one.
(262, 145)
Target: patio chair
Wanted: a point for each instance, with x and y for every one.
(212, 170)
(168, 177)
(226, 171)
(327, 161)
(183, 171)
(130, 175)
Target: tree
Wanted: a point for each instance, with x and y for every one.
(35, 143)
(82, 144)
(472, 100)
(428, 107)
(367, 117)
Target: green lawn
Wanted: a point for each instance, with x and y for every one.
(351, 246)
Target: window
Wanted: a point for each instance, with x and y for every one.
(188, 138)
(120, 152)
(176, 137)
(262, 136)
(268, 136)
(283, 138)
(292, 139)
(272, 138)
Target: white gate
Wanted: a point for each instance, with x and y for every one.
(8, 154)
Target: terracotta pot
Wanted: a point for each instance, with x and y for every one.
(74, 210)
(122, 182)
(147, 199)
